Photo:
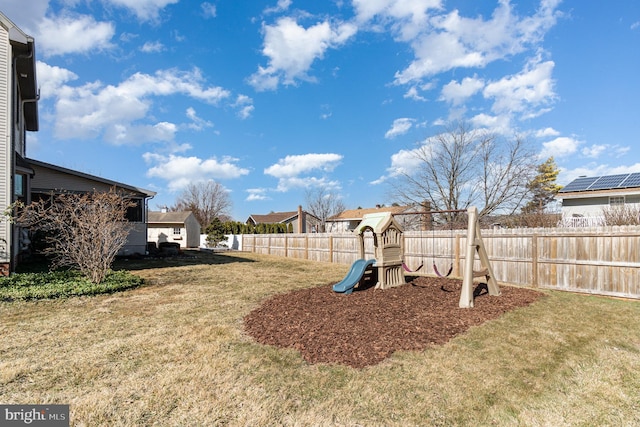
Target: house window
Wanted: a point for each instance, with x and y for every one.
(19, 186)
(177, 231)
(616, 201)
(134, 213)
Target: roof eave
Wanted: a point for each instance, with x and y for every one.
(25, 60)
(147, 193)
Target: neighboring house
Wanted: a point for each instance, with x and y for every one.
(584, 199)
(23, 179)
(49, 180)
(18, 114)
(348, 220)
(180, 227)
(301, 221)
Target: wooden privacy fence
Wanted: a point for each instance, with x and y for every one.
(597, 260)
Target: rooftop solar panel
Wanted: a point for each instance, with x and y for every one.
(633, 180)
(579, 184)
(607, 182)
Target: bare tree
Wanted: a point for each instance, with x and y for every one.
(461, 167)
(207, 200)
(323, 205)
(81, 230)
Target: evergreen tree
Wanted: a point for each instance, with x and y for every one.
(543, 187)
(215, 232)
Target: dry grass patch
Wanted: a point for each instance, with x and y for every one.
(174, 352)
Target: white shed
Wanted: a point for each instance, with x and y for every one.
(180, 227)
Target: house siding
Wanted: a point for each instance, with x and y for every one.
(6, 158)
(46, 179)
(594, 206)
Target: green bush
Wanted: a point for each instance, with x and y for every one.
(60, 284)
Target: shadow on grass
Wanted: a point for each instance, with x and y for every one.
(40, 264)
(185, 258)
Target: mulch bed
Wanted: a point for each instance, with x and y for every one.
(366, 327)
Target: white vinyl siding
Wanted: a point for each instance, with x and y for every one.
(6, 169)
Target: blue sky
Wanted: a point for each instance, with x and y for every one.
(271, 98)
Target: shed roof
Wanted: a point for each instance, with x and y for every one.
(158, 217)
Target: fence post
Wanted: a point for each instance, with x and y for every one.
(331, 248)
(286, 246)
(534, 260)
(456, 255)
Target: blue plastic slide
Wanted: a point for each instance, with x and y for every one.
(358, 268)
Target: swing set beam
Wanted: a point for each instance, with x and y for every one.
(430, 212)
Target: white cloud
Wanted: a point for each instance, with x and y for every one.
(451, 41)
(295, 170)
(399, 127)
(120, 134)
(145, 10)
(402, 162)
(406, 17)
(256, 194)
(197, 123)
(542, 133)
(52, 78)
(525, 92)
(27, 18)
(281, 6)
(95, 110)
(179, 171)
(457, 93)
(595, 150)
(151, 47)
(208, 10)
(413, 93)
(560, 147)
(244, 105)
(405, 161)
(500, 123)
(297, 164)
(66, 34)
(291, 50)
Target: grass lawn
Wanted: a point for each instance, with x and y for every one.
(173, 352)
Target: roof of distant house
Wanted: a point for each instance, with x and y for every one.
(159, 217)
(353, 214)
(607, 182)
(276, 217)
(273, 217)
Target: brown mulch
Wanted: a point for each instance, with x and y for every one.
(366, 327)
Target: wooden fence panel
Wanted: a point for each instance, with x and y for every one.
(600, 260)
(297, 246)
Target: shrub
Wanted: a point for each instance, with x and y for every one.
(83, 231)
(59, 284)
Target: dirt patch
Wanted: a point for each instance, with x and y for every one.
(367, 326)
